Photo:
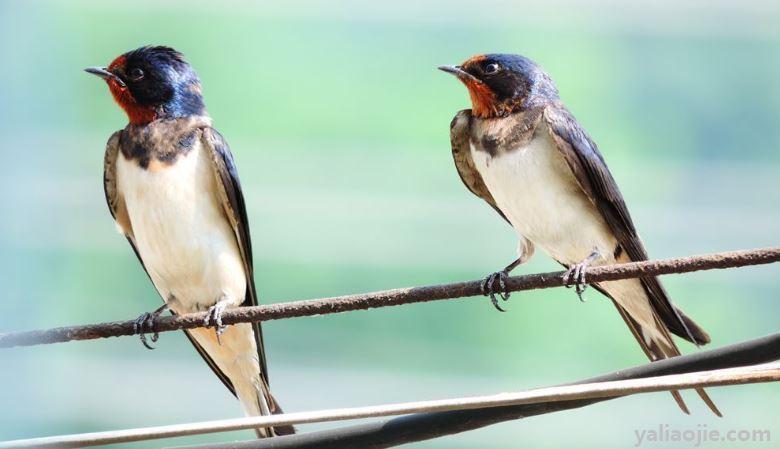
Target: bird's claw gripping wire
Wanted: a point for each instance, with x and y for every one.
(145, 323)
(488, 288)
(575, 275)
(488, 285)
(214, 317)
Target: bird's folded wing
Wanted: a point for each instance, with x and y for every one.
(232, 199)
(461, 154)
(590, 170)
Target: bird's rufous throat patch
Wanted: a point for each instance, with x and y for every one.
(483, 99)
(137, 114)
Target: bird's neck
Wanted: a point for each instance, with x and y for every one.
(185, 102)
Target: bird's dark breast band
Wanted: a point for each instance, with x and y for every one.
(162, 141)
(495, 136)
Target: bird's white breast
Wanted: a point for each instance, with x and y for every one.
(534, 187)
(181, 231)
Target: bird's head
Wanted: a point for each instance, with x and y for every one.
(500, 84)
(151, 83)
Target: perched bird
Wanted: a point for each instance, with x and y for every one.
(519, 149)
(173, 190)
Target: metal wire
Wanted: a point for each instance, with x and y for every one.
(435, 418)
(716, 378)
(394, 297)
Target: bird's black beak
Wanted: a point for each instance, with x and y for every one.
(459, 72)
(105, 74)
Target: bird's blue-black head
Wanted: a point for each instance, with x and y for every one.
(500, 84)
(152, 83)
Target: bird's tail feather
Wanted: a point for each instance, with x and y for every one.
(659, 345)
(267, 403)
(701, 337)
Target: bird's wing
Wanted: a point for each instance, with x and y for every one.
(232, 199)
(590, 170)
(461, 154)
(116, 205)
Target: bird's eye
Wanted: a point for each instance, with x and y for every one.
(491, 69)
(136, 74)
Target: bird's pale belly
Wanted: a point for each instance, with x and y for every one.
(181, 231)
(534, 187)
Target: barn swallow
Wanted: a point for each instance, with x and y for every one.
(521, 151)
(173, 190)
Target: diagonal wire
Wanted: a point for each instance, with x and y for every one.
(596, 390)
(425, 426)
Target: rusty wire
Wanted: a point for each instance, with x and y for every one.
(395, 297)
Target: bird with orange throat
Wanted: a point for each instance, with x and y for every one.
(173, 190)
(521, 151)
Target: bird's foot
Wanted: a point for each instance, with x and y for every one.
(488, 288)
(214, 317)
(145, 323)
(575, 275)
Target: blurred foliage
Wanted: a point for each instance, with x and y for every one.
(339, 122)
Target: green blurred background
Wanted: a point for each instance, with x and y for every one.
(339, 124)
